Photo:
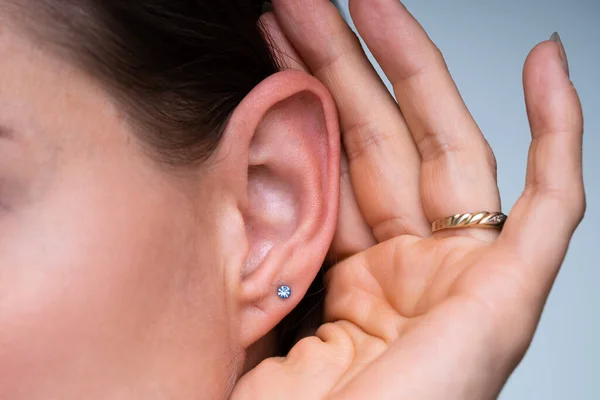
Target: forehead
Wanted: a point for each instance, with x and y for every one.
(42, 95)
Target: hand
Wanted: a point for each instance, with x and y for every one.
(413, 314)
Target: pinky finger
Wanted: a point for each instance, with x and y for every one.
(542, 222)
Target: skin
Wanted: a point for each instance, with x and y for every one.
(413, 314)
(87, 281)
(122, 278)
(153, 283)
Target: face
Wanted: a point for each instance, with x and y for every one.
(110, 286)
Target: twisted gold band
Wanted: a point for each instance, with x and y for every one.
(482, 219)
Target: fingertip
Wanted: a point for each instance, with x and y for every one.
(545, 65)
(268, 22)
(552, 101)
(282, 48)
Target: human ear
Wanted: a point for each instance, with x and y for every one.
(281, 151)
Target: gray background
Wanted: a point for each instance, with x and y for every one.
(485, 44)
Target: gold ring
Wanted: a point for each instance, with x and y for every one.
(481, 219)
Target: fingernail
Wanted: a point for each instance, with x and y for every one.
(563, 55)
(267, 7)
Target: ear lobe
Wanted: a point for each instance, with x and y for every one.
(291, 196)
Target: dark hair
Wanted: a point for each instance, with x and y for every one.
(178, 68)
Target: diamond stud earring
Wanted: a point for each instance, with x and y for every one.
(284, 292)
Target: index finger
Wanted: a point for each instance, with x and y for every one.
(383, 160)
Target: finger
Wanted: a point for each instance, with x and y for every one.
(282, 49)
(352, 235)
(384, 163)
(542, 222)
(458, 173)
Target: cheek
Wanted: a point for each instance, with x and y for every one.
(92, 282)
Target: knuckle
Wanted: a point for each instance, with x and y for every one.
(579, 207)
(569, 199)
(568, 196)
(306, 347)
(347, 42)
(397, 226)
(363, 137)
(429, 62)
(438, 56)
(270, 365)
(490, 159)
(435, 146)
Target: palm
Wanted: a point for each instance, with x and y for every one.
(409, 275)
(412, 311)
(427, 294)
(411, 314)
